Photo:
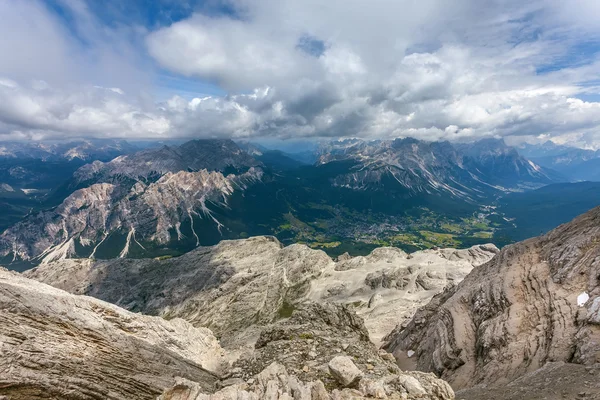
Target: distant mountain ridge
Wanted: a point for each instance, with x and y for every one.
(194, 155)
(167, 200)
(574, 163)
(84, 150)
(34, 169)
(464, 170)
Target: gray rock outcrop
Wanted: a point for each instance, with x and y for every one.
(275, 383)
(320, 352)
(55, 345)
(535, 302)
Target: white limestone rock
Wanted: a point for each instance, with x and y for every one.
(76, 347)
(344, 371)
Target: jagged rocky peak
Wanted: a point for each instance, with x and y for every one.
(405, 165)
(399, 151)
(55, 345)
(237, 285)
(501, 164)
(108, 220)
(466, 171)
(195, 155)
(535, 302)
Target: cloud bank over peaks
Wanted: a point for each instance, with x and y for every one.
(431, 69)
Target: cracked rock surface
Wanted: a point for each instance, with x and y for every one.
(321, 352)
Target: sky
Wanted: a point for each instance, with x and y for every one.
(301, 69)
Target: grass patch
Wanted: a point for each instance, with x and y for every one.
(324, 245)
(483, 235)
(439, 239)
(452, 228)
(286, 310)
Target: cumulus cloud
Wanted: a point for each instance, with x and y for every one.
(430, 69)
(41, 111)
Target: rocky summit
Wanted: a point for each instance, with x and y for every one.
(290, 319)
(536, 302)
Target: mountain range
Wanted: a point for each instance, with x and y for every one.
(359, 194)
(464, 170)
(574, 163)
(275, 316)
(84, 150)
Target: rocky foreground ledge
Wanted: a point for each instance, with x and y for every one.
(56, 345)
(290, 319)
(321, 352)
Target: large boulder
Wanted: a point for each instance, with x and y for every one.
(344, 371)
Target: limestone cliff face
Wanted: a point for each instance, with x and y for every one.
(55, 345)
(104, 216)
(236, 286)
(537, 301)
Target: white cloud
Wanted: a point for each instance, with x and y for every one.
(91, 111)
(229, 52)
(431, 69)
